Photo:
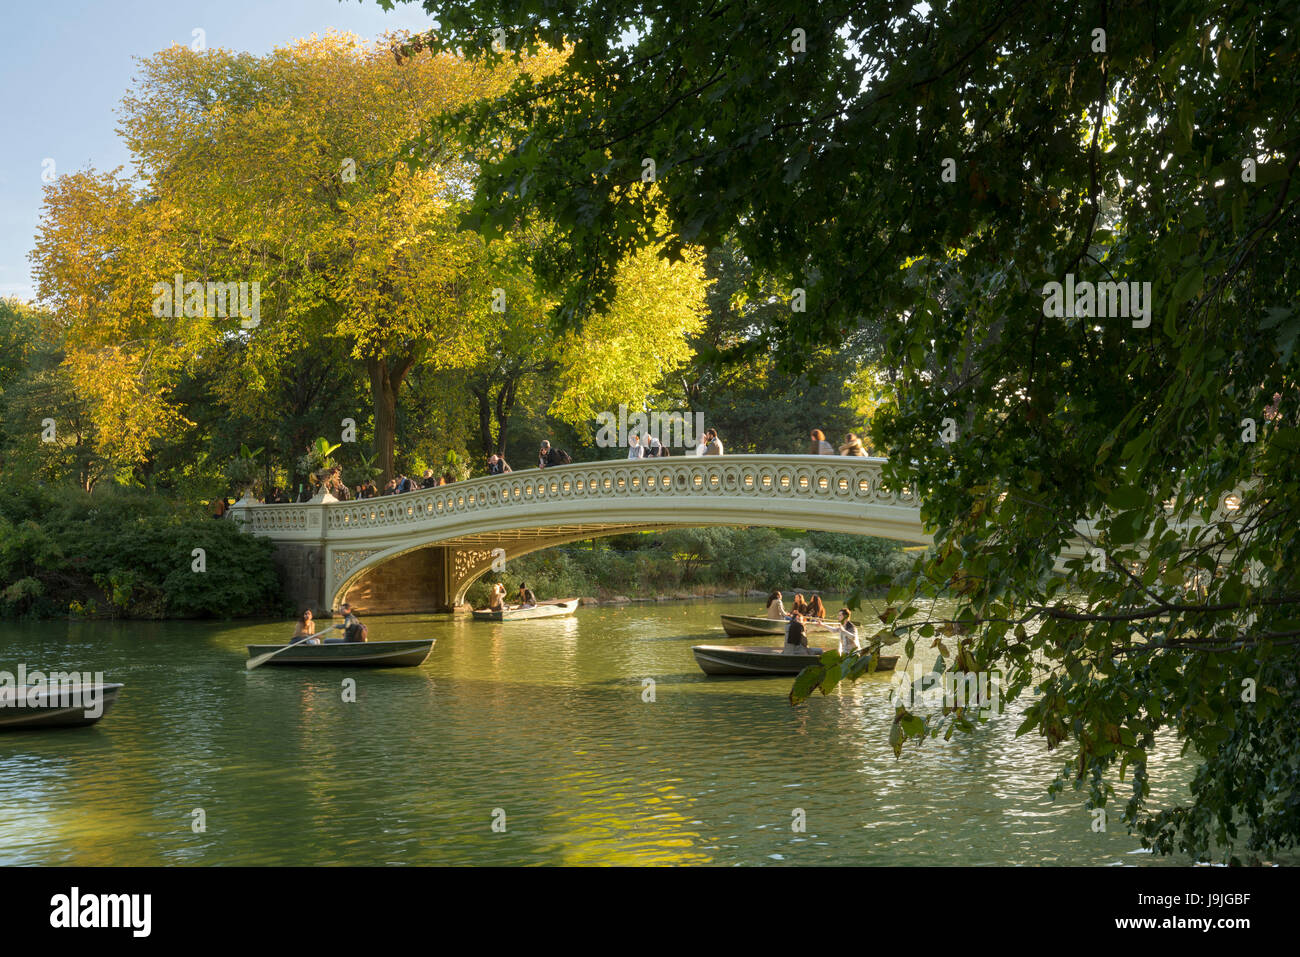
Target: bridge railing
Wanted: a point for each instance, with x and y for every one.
(837, 479)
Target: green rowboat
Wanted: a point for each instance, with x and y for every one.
(70, 706)
(351, 654)
(759, 662)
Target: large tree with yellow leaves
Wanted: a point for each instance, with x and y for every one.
(289, 171)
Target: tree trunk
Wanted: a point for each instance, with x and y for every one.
(384, 386)
(484, 418)
(505, 406)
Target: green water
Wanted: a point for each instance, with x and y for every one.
(543, 720)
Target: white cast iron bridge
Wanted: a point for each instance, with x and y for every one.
(420, 551)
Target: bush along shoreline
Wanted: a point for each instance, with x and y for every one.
(128, 554)
(699, 563)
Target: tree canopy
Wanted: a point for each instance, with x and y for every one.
(936, 168)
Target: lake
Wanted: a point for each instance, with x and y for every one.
(541, 728)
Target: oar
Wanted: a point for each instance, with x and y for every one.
(252, 663)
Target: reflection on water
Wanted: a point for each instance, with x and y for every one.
(542, 722)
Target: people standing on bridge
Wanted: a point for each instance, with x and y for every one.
(548, 457)
(819, 444)
(352, 628)
(775, 607)
(336, 486)
(526, 597)
(796, 636)
(428, 480)
(497, 465)
(712, 444)
(653, 447)
(634, 448)
(852, 445)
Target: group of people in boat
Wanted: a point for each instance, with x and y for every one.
(351, 626)
(524, 598)
(810, 612)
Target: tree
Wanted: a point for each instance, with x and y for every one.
(624, 355)
(290, 173)
(940, 167)
(46, 430)
(737, 379)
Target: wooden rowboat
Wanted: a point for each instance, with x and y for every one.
(65, 706)
(351, 654)
(757, 662)
(544, 609)
(746, 626)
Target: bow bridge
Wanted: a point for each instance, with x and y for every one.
(421, 551)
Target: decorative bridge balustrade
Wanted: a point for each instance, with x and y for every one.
(809, 478)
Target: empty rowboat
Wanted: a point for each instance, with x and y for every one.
(544, 609)
(736, 660)
(351, 654)
(62, 706)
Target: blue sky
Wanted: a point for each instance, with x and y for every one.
(65, 66)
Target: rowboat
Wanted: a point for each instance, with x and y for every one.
(62, 706)
(746, 626)
(544, 609)
(351, 654)
(736, 660)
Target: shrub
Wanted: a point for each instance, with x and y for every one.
(133, 549)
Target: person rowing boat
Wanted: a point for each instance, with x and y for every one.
(848, 632)
(353, 629)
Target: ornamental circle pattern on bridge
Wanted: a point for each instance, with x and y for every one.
(838, 480)
(841, 481)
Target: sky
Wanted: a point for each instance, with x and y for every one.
(65, 66)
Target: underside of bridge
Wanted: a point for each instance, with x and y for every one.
(434, 578)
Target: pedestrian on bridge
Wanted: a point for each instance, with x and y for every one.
(852, 445)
